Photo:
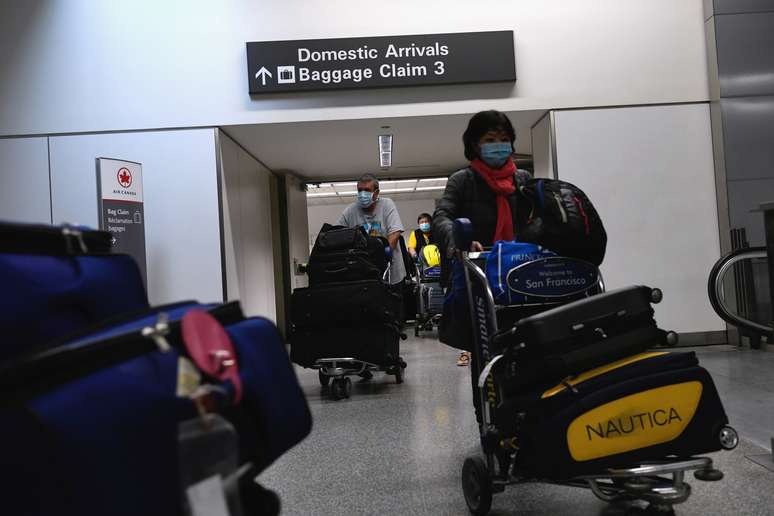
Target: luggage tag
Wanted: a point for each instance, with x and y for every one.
(210, 348)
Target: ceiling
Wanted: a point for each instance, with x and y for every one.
(344, 149)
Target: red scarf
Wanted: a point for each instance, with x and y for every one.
(501, 182)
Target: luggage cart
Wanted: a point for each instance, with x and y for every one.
(334, 372)
(660, 483)
(430, 298)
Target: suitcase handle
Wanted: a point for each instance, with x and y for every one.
(597, 322)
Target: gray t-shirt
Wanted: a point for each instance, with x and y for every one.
(383, 221)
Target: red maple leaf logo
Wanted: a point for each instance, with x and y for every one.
(124, 177)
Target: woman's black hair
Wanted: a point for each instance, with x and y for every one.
(480, 124)
(425, 216)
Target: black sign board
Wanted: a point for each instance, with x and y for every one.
(379, 62)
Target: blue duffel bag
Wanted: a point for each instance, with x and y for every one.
(59, 280)
(504, 257)
(91, 427)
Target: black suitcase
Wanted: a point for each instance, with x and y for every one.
(661, 404)
(343, 266)
(354, 303)
(577, 337)
(377, 344)
(582, 323)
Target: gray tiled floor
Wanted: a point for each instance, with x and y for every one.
(398, 449)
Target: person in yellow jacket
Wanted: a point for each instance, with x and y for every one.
(420, 237)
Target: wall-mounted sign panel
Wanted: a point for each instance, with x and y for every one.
(380, 62)
(120, 199)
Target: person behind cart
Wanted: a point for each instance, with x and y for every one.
(421, 236)
(486, 192)
(379, 217)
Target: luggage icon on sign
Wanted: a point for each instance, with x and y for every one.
(286, 74)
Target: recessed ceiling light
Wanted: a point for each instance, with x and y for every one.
(385, 127)
(385, 151)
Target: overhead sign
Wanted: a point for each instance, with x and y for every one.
(379, 62)
(119, 184)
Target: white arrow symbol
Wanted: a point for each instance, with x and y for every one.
(262, 73)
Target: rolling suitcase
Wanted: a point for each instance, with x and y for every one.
(113, 398)
(58, 280)
(350, 303)
(376, 344)
(578, 336)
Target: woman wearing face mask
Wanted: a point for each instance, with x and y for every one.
(420, 237)
(486, 193)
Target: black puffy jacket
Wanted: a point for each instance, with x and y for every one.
(468, 196)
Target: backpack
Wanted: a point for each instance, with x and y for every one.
(431, 255)
(563, 220)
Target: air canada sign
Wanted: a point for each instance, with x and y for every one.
(285, 66)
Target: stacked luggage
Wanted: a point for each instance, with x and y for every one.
(572, 386)
(429, 292)
(110, 406)
(349, 320)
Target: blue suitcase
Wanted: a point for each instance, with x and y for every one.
(58, 280)
(90, 427)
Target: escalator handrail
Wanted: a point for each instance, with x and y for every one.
(715, 285)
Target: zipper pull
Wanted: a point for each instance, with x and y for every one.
(561, 207)
(70, 231)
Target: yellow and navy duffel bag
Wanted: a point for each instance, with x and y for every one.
(644, 407)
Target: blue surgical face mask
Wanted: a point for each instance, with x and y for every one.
(425, 227)
(365, 198)
(495, 154)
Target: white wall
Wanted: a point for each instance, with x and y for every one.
(249, 254)
(409, 210)
(298, 230)
(25, 193)
(181, 203)
(649, 172)
(542, 148)
(81, 65)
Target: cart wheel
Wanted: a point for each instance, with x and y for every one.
(325, 380)
(477, 486)
(346, 384)
(729, 439)
(337, 389)
(398, 374)
(416, 329)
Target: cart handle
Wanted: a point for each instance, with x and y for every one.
(463, 233)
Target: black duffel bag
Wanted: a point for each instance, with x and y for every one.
(346, 254)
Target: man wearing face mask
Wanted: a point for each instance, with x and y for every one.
(379, 217)
(420, 237)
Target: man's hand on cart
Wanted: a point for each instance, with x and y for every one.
(476, 247)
